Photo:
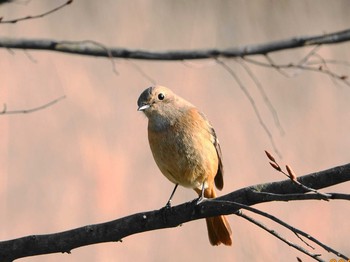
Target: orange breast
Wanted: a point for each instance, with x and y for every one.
(184, 151)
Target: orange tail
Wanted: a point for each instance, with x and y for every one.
(219, 230)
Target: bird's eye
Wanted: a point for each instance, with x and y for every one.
(161, 96)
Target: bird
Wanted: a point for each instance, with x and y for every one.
(186, 149)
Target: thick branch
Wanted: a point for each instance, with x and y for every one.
(92, 49)
(166, 218)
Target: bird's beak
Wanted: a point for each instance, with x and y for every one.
(143, 107)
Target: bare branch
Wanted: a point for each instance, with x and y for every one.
(273, 65)
(274, 233)
(320, 68)
(167, 218)
(95, 43)
(252, 102)
(31, 110)
(306, 58)
(301, 196)
(142, 72)
(29, 17)
(263, 94)
(295, 230)
(330, 61)
(291, 174)
(248, 50)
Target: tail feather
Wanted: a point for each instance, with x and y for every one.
(219, 230)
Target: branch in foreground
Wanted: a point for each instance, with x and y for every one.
(164, 218)
(90, 49)
(291, 174)
(295, 230)
(5, 1)
(274, 233)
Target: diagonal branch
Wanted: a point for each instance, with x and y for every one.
(81, 48)
(295, 230)
(167, 218)
(263, 94)
(252, 103)
(29, 17)
(274, 233)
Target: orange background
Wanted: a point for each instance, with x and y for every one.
(86, 159)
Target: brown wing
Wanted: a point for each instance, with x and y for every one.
(219, 177)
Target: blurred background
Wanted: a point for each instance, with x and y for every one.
(86, 159)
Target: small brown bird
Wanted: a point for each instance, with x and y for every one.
(185, 147)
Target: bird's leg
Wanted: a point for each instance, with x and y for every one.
(167, 207)
(201, 198)
(168, 204)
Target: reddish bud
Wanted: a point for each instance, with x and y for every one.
(270, 156)
(275, 166)
(291, 173)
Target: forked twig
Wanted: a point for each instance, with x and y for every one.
(307, 66)
(291, 174)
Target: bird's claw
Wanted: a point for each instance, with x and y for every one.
(200, 200)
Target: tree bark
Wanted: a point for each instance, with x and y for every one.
(118, 229)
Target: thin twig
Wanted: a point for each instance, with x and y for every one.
(30, 57)
(274, 233)
(342, 78)
(312, 52)
(295, 230)
(31, 110)
(273, 65)
(304, 60)
(252, 102)
(13, 21)
(300, 196)
(95, 43)
(330, 61)
(263, 94)
(309, 189)
(142, 72)
(292, 176)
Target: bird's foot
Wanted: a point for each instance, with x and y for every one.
(168, 204)
(165, 210)
(200, 200)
